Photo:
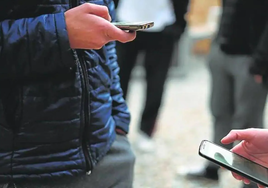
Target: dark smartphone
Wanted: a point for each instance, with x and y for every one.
(234, 162)
(133, 26)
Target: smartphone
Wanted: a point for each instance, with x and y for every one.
(234, 162)
(133, 26)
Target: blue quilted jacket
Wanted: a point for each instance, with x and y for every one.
(58, 108)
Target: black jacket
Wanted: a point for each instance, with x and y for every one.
(244, 30)
(234, 31)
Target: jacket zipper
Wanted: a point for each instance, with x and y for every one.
(85, 101)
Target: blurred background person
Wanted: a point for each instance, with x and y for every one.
(158, 45)
(116, 3)
(237, 100)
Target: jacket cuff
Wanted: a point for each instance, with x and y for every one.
(122, 125)
(67, 55)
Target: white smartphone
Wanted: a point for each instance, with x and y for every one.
(234, 162)
(133, 26)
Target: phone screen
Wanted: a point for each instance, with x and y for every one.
(233, 161)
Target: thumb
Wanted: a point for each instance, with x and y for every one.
(98, 10)
(118, 34)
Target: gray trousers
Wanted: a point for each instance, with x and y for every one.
(237, 101)
(115, 170)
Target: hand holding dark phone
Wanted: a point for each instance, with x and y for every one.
(234, 162)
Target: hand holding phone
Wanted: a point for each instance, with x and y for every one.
(234, 162)
(80, 37)
(253, 145)
(134, 26)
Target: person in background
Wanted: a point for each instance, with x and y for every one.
(63, 119)
(237, 99)
(157, 43)
(116, 3)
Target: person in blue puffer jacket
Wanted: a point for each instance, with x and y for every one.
(63, 120)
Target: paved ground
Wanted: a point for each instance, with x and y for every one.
(184, 122)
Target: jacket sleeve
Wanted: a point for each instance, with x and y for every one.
(32, 46)
(180, 10)
(120, 111)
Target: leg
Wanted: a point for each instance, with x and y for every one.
(126, 55)
(157, 62)
(250, 97)
(222, 94)
(221, 106)
(115, 170)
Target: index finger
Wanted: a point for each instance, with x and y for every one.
(261, 186)
(238, 135)
(98, 10)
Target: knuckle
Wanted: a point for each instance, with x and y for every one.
(98, 47)
(232, 131)
(123, 41)
(100, 44)
(87, 6)
(103, 42)
(105, 9)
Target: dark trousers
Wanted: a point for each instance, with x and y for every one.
(237, 101)
(158, 49)
(115, 170)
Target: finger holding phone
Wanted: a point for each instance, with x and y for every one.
(89, 27)
(253, 146)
